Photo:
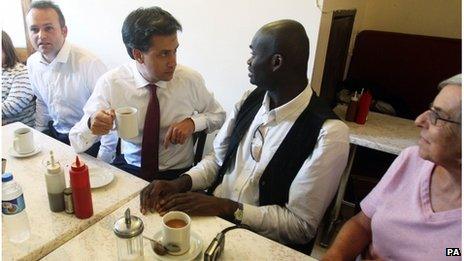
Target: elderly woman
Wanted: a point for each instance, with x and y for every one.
(18, 101)
(414, 213)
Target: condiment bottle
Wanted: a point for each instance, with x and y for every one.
(363, 107)
(68, 201)
(80, 185)
(352, 108)
(128, 230)
(54, 179)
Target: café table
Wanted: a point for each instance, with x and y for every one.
(49, 230)
(381, 132)
(99, 241)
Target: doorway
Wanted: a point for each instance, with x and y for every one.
(337, 54)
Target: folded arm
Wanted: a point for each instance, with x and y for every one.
(84, 134)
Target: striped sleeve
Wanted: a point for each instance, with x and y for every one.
(20, 96)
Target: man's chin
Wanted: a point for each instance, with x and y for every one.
(167, 78)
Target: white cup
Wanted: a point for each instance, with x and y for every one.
(23, 142)
(126, 122)
(173, 234)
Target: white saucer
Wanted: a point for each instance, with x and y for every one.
(196, 246)
(12, 152)
(99, 177)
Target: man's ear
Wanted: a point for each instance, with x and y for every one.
(64, 30)
(277, 61)
(138, 55)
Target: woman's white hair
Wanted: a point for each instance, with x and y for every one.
(455, 80)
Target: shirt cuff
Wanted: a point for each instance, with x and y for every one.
(251, 214)
(196, 180)
(87, 136)
(199, 121)
(106, 156)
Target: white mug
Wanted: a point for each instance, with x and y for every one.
(23, 142)
(126, 122)
(176, 231)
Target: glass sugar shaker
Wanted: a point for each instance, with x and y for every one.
(128, 230)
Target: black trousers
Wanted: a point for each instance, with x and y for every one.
(121, 163)
(92, 151)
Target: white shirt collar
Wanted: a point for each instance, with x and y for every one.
(280, 113)
(142, 82)
(61, 57)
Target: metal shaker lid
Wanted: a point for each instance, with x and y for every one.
(128, 226)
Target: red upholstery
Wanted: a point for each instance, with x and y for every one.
(406, 67)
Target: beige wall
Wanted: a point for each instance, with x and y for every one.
(425, 17)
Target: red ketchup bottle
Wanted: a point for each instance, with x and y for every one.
(80, 185)
(363, 107)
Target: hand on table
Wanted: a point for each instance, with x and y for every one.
(152, 194)
(198, 204)
(101, 122)
(179, 132)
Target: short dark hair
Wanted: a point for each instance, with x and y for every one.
(48, 4)
(11, 58)
(141, 24)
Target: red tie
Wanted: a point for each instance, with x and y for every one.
(150, 141)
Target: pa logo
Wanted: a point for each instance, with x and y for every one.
(453, 251)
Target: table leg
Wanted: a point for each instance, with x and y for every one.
(332, 220)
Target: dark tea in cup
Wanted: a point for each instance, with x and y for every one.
(176, 223)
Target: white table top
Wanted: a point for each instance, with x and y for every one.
(99, 242)
(49, 230)
(382, 132)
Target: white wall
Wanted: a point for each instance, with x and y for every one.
(215, 38)
(12, 21)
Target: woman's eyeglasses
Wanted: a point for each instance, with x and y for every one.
(434, 117)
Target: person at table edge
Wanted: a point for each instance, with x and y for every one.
(184, 104)
(278, 158)
(62, 75)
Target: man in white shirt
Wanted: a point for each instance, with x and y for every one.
(172, 102)
(278, 157)
(62, 75)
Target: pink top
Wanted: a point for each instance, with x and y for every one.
(404, 226)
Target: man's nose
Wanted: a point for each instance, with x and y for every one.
(41, 34)
(422, 120)
(173, 61)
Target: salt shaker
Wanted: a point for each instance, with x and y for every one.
(128, 230)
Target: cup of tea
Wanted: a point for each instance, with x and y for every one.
(126, 122)
(23, 141)
(176, 232)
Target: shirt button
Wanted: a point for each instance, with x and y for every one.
(263, 183)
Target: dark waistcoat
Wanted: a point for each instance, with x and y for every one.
(274, 184)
